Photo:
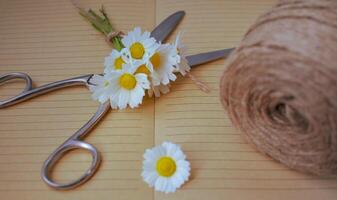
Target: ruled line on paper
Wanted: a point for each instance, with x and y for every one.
(42, 157)
(90, 189)
(68, 162)
(59, 113)
(81, 120)
(65, 171)
(260, 189)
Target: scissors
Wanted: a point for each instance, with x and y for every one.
(160, 33)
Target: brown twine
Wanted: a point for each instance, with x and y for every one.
(280, 85)
(113, 34)
(201, 85)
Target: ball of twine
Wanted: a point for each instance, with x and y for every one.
(280, 85)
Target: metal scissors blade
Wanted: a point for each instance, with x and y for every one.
(202, 58)
(163, 30)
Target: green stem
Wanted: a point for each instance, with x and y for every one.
(117, 42)
(103, 25)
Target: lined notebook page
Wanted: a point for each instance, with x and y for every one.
(224, 166)
(50, 41)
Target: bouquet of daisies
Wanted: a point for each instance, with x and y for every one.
(138, 63)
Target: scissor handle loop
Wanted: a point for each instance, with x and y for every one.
(52, 160)
(15, 75)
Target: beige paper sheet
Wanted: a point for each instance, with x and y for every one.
(224, 166)
(50, 41)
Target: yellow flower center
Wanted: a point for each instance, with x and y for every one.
(143, 69)
(119, 63)
(137, 50)
(155, 60)
(166, 166)
(127, 81)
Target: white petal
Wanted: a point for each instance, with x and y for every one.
(150, 154)
(149, 165)
(178, 155)
(160, 183)
(171, 187)
(114, 99)
(177, 180)
(170, 148)
(97, 79)
(123, 99)
(108, 61)
(136, 96)
(142, 80)
(184, 173)
(155, 78)
(150, 177)
(137, 31)
(183, 66)
(140, 77)
(183, 164)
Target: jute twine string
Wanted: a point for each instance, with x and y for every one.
(113, 34)
(201, 85)
(280, 85)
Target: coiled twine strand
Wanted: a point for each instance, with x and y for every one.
(280, 85)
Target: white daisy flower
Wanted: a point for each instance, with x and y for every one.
(138, 45)
(156, 90)
(160, 68)
(165, 167)
(127, 87)
(101, 87)
(162, 63)
(182, 65)
(114, 61)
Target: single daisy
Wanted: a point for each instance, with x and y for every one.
(138, 45)
(127, 87)
(165, 167)
(156, 90)
(162, 62)
(101, 87)
(114, 61)
(182, 66)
